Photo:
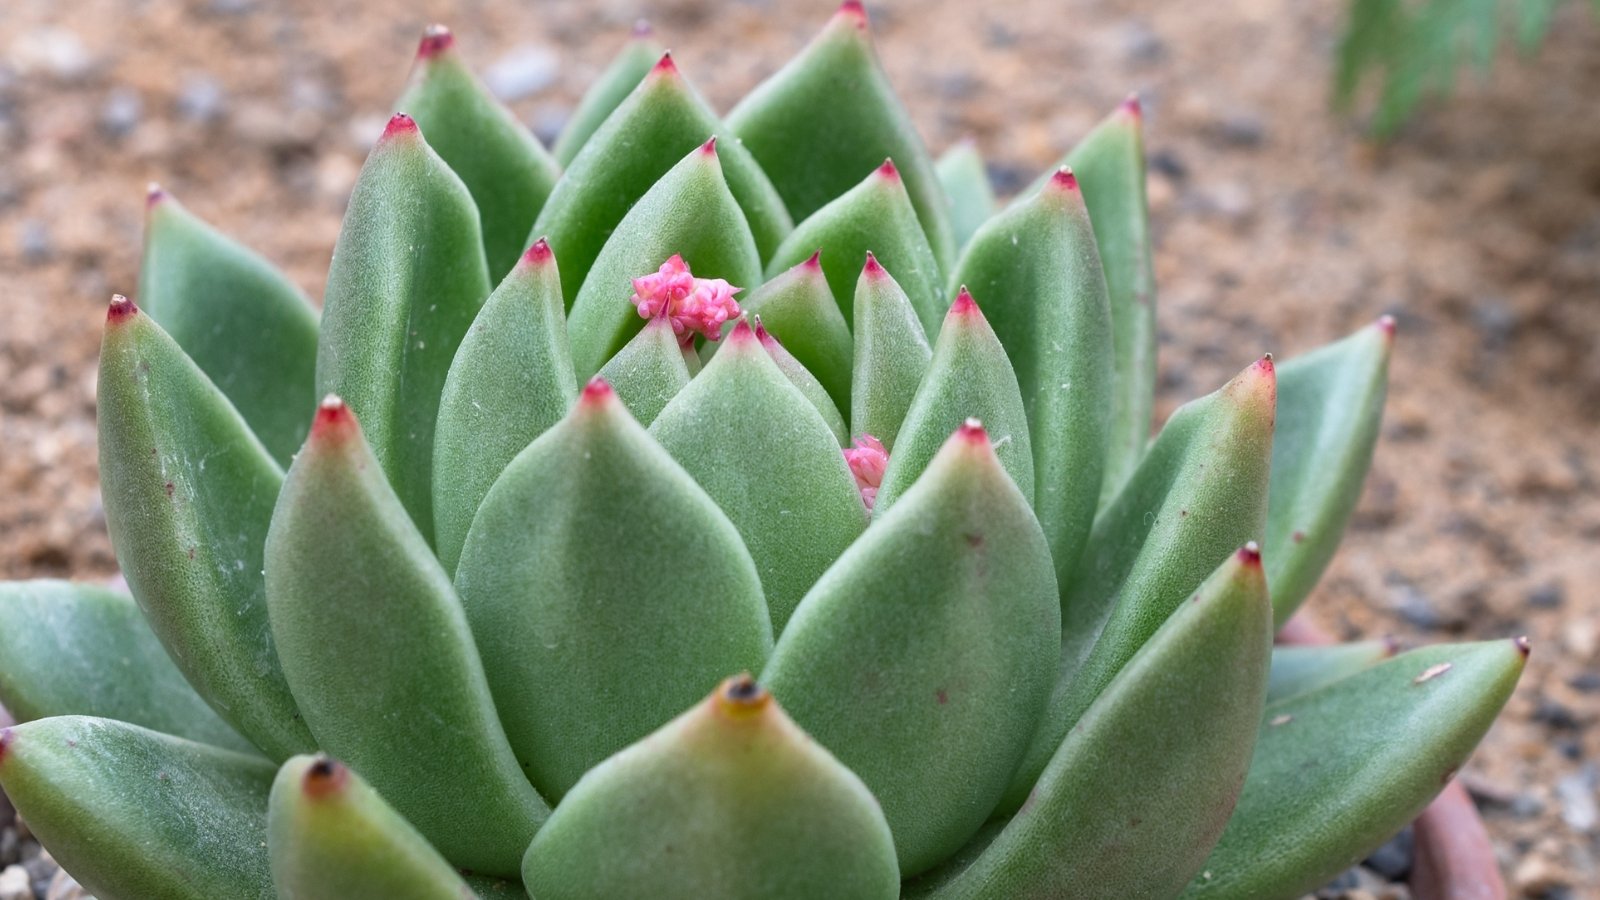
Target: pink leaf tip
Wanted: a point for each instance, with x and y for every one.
(743, 332)
(709, 148)
(1265, 367)
(539, 254)
(596, 392)
(436, 39)
(1250, 555)
(973, 432)
(1523, 646)
(853, 12)
(665, 66)
(964, 305)
(1131, 106)
(814, 261)
(867, 460)
(7, 736)
(120, 310)
(333, 418)
(324, 778)
(873, 269)
(1386, 324)
(153, 194)
(400, 125)
(692, 305)
(888, 171)
(1064, 179)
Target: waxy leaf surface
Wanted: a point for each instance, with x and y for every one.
(648, 371)
(891, 356)
(637, 57)
(808, 384)
(966, 183)
(798, 309)
(1296, 670)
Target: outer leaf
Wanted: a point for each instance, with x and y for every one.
(357, 600)
(188, 492)
(1331, 403)
(331, 837)
(891, 355)
(797, 308)
(407, 280)
(808, 384)
(923, 658)
(755, 808)
(1036, 267)
(968, 378)
(504, 167)
(605, 590)
(875, 216)
(77, 649)
(608, 92)
(649, 371)
(661, 121)
(759, 448)
(1339, 770)
(1200, 492)
(830, 115)
(1296, 670)
(511, 379)
(134, 814)
(689, 212)
(1139, 792)
(966, 183)
(248, 327)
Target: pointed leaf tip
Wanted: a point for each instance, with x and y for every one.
(333, 418)
(973, 432)
(1250, 555)
(872, 268)
(400, 125)
(121, 310)
(325, 777)
(153, 194)
(1386, 324)
(1523, 646)
(814, 261)
(887, 171)
(539, 254)
(1131, 107)
(436, 39)
(6, 737)
(741, 697)
(597, 392)
(743, 332)
(1064, 179)
(853, 12)
(709, 148)
(964, 305)
(665, 66)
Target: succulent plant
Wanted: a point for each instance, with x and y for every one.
(798, 535)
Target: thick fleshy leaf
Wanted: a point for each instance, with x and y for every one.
(874, 217)
(1330, 403)
(690, 213)
(802, 378)
(969, 378)
(331, 837)
(649, 370)
(407, 279)
(505, 168)
(637, 57)
(1338, 771)
(244, 324)
(1296, 670)
(189, 493)
(798, 309)
(511, 379)
(966, 183)
(1036, 270)
(661, 121)
(924, 656)
(357, 600)
(77, 649)
(606, 590)
(891, 355)
(759, 448)
(1200, 493)
(830, 115)
(1138, 794)
(754, 807)
(135, 814)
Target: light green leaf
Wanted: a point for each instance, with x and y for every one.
(608, 91)
(1296, 670)
(891, 355)
(797, 308)
(966, 183)
(649, 370)
(808, 384)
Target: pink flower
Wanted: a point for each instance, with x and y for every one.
(867, 460)
(693, 305)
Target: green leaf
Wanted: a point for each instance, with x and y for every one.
(829, 115)
(663, 120)
(598, 570)
(505, 168)
(759, 448)
(1200, 493)
(134, 814)
(690, 213)
(1036, 268)
(1139, 792)
(188, 492)
(511, 379)
(1330, 403)
(331, 837)
(1339, 770)
(966, 183)
(891, 355)
(1296, 670)
(924, 656)
(607, 92)
(797, 308)
(649, 370)
(407, 279)
(755, 808)
(357, 600)
(968, 378)
(876, 217)
(808, 384)
(76, 649)
(247, 326)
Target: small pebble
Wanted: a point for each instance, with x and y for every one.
(1555, 715)
(15, 884)
(1576, 792)
(121, 112)
(1587, 681)
(35, 242)
(200, 99)
(525, 70)
(1549, 596)
(1139, 45)
(1242, 130)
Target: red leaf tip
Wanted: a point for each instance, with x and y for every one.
(853, 12)
(1064, 179)
(333, 418)
(665, 66)
(120, 310)
(7, 736)
(539, 254)
(436, 39)
(1131, 106)
(1386, 325)
(814, 261)
(743, 332)
(153, 194)
(399, 125)
(888, 171)
(1250, 555)
(597, 392)
(964, 305)
(1523, 646)
(709, 148)
(973, 432)
(324, 778)
(873, 268)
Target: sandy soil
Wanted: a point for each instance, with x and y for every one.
(1278, 228)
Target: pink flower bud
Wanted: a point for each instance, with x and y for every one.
(867, 460)
(692, 305)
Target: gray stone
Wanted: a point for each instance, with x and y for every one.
(525, 70)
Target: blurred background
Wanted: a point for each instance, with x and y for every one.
(1281, 222)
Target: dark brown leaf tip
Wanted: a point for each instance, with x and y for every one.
(400, 125)
(1522, 645)
(596, 393)
(324, 778)
(741, 697)
(1064, 180)
(121, 310)
(665, 66)
(853, 12)
(436, 39)
(539, 254)
(887, 171)
(1250, 555)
